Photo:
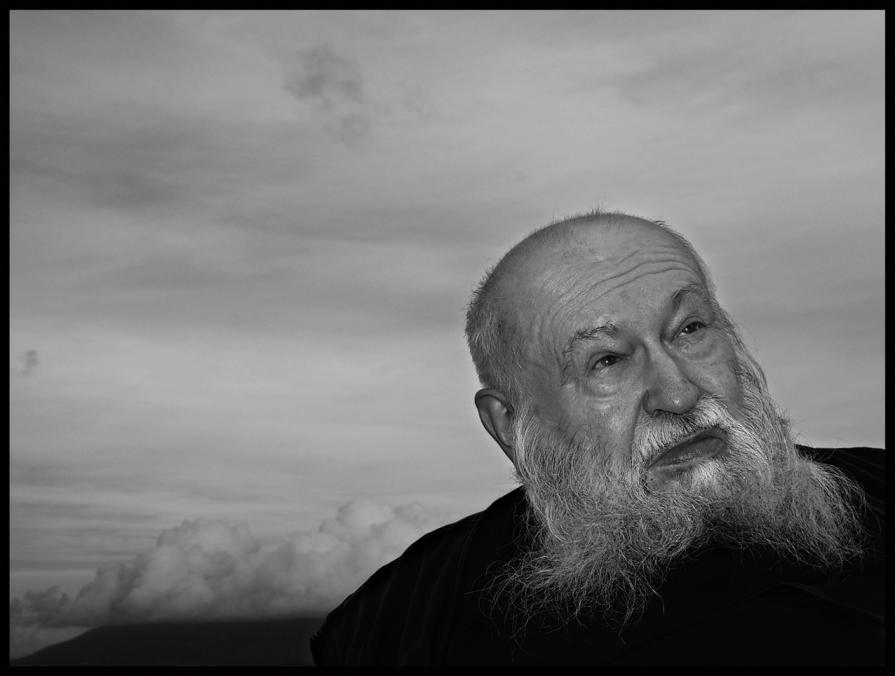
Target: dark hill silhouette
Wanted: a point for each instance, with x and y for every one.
(238, 643)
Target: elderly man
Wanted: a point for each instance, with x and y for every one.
(665, 515)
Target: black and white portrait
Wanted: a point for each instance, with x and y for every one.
(581, 307)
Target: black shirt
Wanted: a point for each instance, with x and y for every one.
(719, 606)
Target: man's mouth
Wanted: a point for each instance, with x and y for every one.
(703, 445)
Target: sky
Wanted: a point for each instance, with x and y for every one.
(241, 245)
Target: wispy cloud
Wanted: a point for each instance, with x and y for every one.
(29, 362)
(325, 76)
(333, 85)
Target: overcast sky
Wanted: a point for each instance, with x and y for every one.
(241, 243)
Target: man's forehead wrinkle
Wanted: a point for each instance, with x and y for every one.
(608, 266)
(606, 285)
(576, 273)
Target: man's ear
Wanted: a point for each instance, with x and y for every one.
(497, 416)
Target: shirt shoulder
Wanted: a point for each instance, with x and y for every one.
(397, 615)
(866, 465)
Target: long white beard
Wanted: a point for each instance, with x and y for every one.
(602, 540)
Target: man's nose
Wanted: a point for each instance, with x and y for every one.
(669, 387)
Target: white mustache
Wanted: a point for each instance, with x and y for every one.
(656, 434)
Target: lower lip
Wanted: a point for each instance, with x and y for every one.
(689, 454)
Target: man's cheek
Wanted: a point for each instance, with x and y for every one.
(727, 384)
(729, 387)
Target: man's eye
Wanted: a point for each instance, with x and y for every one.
(692, 328)
(605, 361)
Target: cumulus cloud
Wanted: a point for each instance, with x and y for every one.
(334, 87)
(213, 569)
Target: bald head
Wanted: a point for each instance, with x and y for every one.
(545, 267)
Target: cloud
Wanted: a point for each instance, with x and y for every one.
(333, 85)
(748, 64)
(327, 77)
(214, 569)
(29, 364)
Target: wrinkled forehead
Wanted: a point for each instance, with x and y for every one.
(592, 275)
(596, 260)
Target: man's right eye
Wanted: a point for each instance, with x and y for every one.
(605, 361)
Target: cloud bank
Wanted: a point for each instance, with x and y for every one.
(214, 569)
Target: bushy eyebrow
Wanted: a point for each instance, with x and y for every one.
(611, 329)
(694, 289)
(607, 329)
(590, 333)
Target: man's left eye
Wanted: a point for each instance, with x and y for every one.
(692, 328)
